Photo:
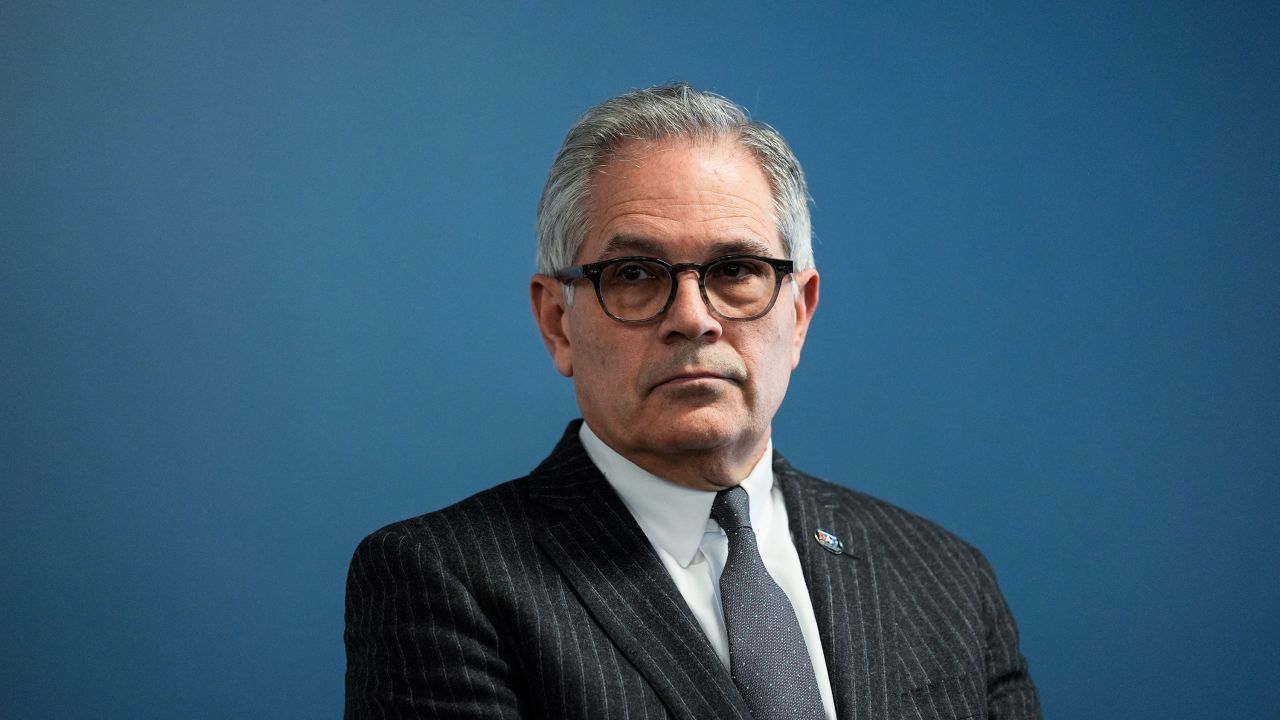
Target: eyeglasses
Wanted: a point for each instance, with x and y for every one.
(639, 289)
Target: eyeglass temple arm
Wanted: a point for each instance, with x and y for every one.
(569, 275)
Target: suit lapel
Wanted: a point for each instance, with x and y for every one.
(850, 594)
(604, 556)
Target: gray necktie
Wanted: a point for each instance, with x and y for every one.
(767, 654)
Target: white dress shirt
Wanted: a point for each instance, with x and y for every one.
(677, 521)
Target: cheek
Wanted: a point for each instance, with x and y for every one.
(602, 353)
(584, 337)
(603, 369)
(768, 354)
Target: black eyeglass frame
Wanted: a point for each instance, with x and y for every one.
(593, 272)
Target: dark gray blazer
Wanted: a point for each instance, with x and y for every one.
(542, 598)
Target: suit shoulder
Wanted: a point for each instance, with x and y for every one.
(500, 512)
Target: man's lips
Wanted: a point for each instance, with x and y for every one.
(692, 376)
(682, 377)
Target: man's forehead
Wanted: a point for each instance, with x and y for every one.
(681, 200)
(631, 244)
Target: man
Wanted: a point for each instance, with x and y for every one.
(664, 561)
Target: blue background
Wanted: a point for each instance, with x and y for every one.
(263, 289)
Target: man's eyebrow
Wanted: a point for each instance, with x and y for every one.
(637, 245)
(739, 247)
(631, 245)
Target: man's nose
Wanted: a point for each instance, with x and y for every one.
(689, 315)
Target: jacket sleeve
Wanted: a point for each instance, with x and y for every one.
(1011, 695)
(418, 644)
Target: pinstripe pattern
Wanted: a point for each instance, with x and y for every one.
(541, 597)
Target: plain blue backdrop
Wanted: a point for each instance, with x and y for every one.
(263, 276)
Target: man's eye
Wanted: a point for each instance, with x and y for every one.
(632, 272)
(737, 270)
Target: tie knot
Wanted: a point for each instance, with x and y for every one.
(732, 509)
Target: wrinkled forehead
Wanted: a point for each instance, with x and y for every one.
(623, 244)
(707, 197)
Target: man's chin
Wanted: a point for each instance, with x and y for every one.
(697, 429)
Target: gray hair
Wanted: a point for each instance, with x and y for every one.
(675, 110)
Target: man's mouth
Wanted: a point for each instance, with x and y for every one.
(692, 369)
(692, 377)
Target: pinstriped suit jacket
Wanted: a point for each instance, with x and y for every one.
(542, 598)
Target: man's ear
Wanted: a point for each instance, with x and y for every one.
(805, 294)
(550, 312)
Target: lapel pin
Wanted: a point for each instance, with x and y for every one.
(829, 542)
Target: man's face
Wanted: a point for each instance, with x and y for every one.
(689, 395)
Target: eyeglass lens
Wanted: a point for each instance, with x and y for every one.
(735, 288)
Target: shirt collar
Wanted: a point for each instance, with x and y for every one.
(672, 516)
